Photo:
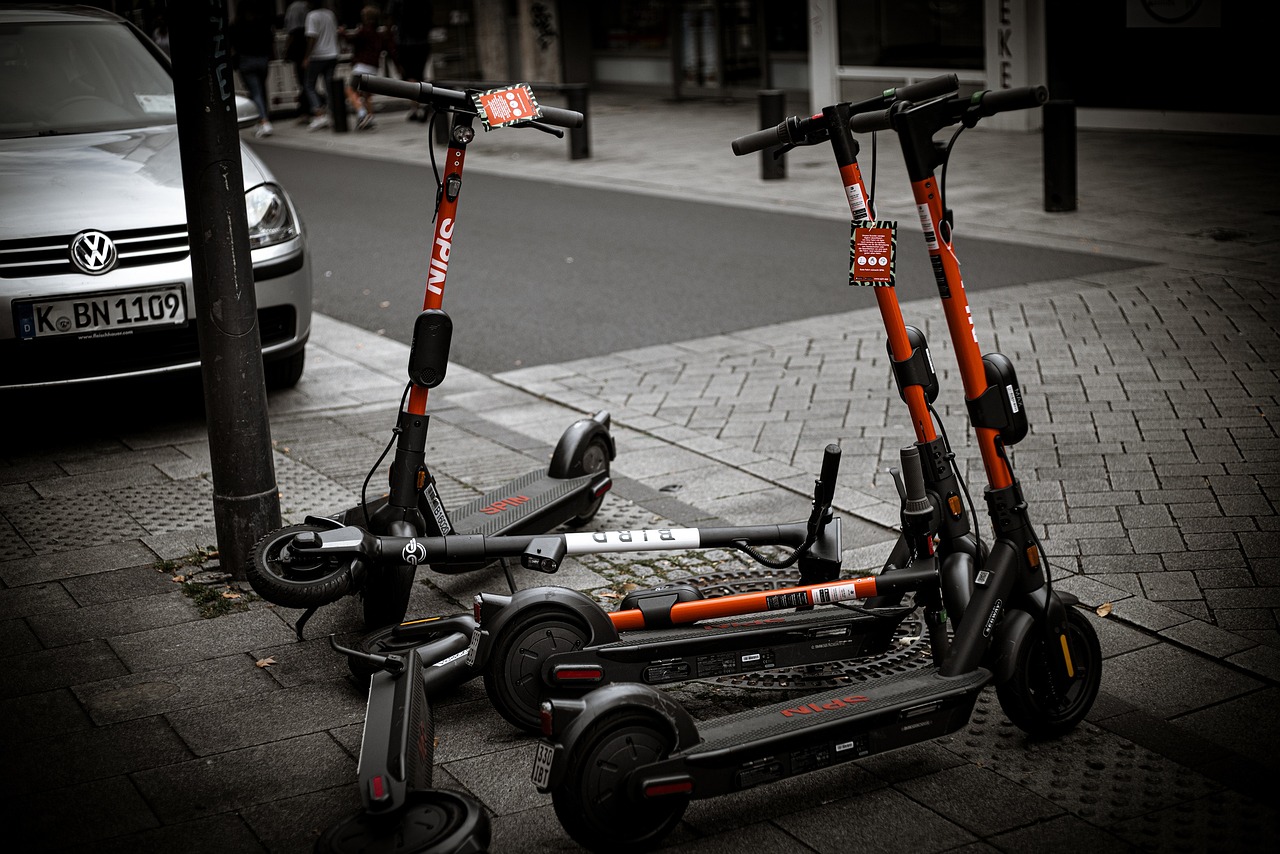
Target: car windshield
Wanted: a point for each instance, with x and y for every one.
(79, 77)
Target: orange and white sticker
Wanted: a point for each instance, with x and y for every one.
(506, 106)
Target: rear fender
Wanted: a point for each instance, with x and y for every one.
(574, 439)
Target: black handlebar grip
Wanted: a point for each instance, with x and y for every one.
(421, 93)
(1002, 100)
(912, 473)
(925, 90)
(827, 478)
(560, 118)
(868, 122)
(760, 140)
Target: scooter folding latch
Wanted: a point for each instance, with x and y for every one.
(917, 369)
(544, 554)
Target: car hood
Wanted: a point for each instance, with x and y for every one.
(108, 181)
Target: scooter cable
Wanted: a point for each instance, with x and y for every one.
(435, 169)
(395, 431)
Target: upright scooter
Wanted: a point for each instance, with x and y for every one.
(569, 491)
(623, 762)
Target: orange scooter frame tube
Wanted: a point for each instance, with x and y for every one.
(787, 598)
(955, 306)
(441, 248)
(860, 206)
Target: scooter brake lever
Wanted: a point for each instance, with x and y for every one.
(551, 129)
(897, 481)
(393, 664)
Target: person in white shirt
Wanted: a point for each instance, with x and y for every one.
(320, 60)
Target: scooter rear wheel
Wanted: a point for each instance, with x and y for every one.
(594, 458)
(513, 677)
(1033, 698)
(433, 821)
(595, 803)
(291, 580)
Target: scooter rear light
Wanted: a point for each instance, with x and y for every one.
(377, 788)
(604, 487)
(577, 673)
(546, 722)
(475, 608)
(663, 788)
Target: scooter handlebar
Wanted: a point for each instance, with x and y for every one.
(934, 87)
(826, 487)
(871, 122)
(995, 101)
(559, 117)
(760, 140)
(421, 93)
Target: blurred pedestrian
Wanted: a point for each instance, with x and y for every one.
(295, 24)
(368, 43)
(161, 34)
(413, 23)
(252, 46)
(320, 60)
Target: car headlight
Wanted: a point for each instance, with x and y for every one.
(270, 221)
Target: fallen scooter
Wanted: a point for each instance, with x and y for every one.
(569, 491)
(401, 811)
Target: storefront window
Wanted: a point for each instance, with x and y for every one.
(911, 33)
(631, 25)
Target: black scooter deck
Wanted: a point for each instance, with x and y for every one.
(801, 735)
(744, 644)
(523, 505)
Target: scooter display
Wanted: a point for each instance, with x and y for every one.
(569, 491)
(623, 762)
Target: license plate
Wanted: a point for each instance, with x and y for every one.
(542, 756)
(473, 648)
(102, 314)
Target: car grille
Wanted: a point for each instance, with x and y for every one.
(66, 358)
(50, 256)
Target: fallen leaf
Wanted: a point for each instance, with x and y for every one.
(1103, 609)
(178, 579)
(609, 594)
(265, 662)
(230, 594)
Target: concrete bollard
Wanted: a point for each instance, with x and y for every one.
(773, 110)
(579, 138)
(337, 93)
(1059, 156)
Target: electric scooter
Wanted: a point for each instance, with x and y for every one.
(569, 491)
(623, 762)
(401, 811)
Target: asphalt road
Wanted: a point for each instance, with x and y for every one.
(543, 273)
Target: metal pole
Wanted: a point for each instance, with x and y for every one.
(1059, 156)
(773, 109)
(246, 503)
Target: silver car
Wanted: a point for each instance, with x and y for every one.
(95, 270)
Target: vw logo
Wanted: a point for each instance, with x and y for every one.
(414, 552)
(93, 252)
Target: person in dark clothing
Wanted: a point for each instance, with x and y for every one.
(252, 46)
(295, 20)
(413, 23)
(367, 43)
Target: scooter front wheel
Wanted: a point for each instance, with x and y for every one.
(513, 677)
(293, 580)
(595, 802)
(1036, 699)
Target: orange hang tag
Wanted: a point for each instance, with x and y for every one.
(872, 249)
(506, 106)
